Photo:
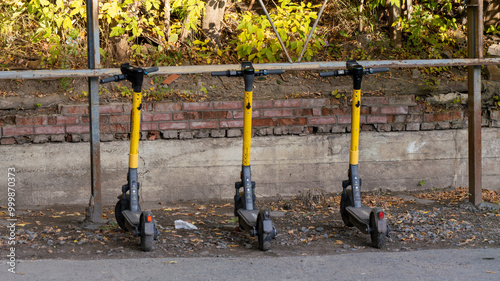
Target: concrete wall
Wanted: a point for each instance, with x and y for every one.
(207, 168)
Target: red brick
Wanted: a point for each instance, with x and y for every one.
(231, 123)
(277, 113)
(240, 114)
(309, 103)
(162, 117)
(49, 130)
(77, 129)
(262, 104)
(419, 108)
(303, 112)
(52, 120)
(169, 107)
(287, 103)
(402, 100)
(374, 110)
(316, 111)
(8, 141)
(374, 100)
(30, 121)
(414, 118)
(215, 115)
(334, 111)
(173, 125)
(146, 117)
(265, 122)
(292, 121)
(61, 120)
(322, 120)
(376, 119)
(17, 131)
(394, 110)
(344, 119)
(365, 110)
(204, 125)
(103, 119)
(110, 108)
(113, 128)
(197, 106)
(74, 110)
(149, 126)
(228, 105)
(456, 115)
(187, 116)
(171, 78)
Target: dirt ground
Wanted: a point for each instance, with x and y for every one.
(308, 224)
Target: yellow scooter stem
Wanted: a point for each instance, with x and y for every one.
(133, 160)
(247, 128)
(356, 112)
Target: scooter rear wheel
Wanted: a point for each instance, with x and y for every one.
(264, 238)
(147, 241)
(378, 238)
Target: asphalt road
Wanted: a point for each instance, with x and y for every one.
(465, 264)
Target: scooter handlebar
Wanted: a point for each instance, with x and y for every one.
(377, 70)
(151, 69)
(114, 78)
(329, 73)
(227, 73)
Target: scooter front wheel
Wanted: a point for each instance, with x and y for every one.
(119, 208)
(346, 201)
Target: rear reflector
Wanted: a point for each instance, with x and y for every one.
(148, 218)
(381, 215)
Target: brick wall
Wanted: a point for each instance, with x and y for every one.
(225, 119)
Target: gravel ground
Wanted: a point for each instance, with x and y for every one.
(308, 224)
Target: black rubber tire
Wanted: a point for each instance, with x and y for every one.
(147, 241)
(346, 201)
(120, 219)
(378, 238)
(264, 238)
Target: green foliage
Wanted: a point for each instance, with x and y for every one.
(257, 42)
(429, 27)
(495, 29)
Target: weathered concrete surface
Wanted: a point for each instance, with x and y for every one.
(207, 168)
(443, 264)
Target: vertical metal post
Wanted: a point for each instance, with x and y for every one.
(475, 50)
(94, 211)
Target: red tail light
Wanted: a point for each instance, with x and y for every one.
(148, 218)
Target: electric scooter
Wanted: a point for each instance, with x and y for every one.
(128, 212)
(367, 220)
(256, 222)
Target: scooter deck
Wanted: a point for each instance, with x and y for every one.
(249, 217)
(133, 218)
(361, 214)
